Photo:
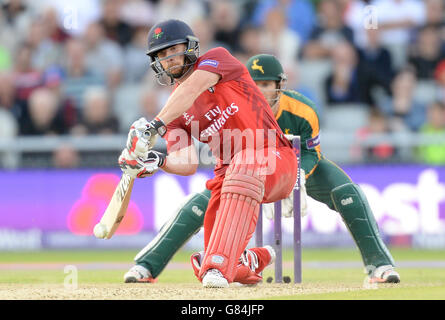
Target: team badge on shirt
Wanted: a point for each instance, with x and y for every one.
(312, 143)
(208, 62)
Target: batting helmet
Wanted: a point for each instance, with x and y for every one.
(169, 33)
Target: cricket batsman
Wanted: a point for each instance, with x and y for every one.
(215, 101)
(324, 181)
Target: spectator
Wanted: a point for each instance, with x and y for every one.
(205, 32)
(375, 61)
(26, 78)
(44, 116)
(328, 33)
(75, 16)
(427, 52)
(150, 103)
(8, 132)
(343, 84)
(294, 83)
(250, 43)
(279, 40)
(185, 10)
(115, 27)
(136, 62)
(359, 19)
(439, 76)
(78, 75)
(104, 57)
(225, 18)
(65, 157)
(434, 12)
(55, 31)
(398, 18)
(138, 13)
(15, 19)
(382, 151)
(402, 109)
(53, 80)
(7, 92)
(45, 52)
(434, 154)
(300, 15)
(97, 117)
(375, 54)
(9, 103)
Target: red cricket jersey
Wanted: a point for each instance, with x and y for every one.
(230, 116)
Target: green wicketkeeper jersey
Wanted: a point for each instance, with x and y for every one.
(297, 115)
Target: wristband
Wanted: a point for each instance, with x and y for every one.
(159, 126)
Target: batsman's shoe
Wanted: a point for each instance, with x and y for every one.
(214, 279)
(260, 257)
(251, 264)
(139, 274)
(272, 254)
(384, 274)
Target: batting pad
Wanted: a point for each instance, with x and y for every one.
(241, 195)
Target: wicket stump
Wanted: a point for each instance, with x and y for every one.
(277, 234)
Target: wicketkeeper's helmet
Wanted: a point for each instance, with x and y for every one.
(265, 67)
(169, 33)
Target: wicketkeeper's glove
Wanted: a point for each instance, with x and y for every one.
(141, 168)
(287, 204)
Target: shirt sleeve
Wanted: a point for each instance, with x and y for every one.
(176, 137)
(220, 61)
(310, 154)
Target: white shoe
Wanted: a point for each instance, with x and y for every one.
(138, 273)
(384, 274)
(214, 279)
(272, 254)
(249, 259)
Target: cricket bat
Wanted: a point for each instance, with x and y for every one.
(116, 209)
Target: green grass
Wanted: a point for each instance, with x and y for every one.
(417, 283)
(50, 256)
(66, 256)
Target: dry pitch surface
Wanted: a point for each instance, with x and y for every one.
(160, 291)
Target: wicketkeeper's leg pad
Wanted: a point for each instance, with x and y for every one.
(241, 195)
(350, 201)
(184, 223)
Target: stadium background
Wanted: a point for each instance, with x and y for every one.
(74, 76)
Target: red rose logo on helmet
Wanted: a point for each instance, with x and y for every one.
(158, 33)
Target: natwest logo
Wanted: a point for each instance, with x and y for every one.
(219, 119)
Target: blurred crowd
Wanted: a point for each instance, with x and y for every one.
(79, 67)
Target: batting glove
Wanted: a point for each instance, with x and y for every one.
(142, 136)
(141, 168)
